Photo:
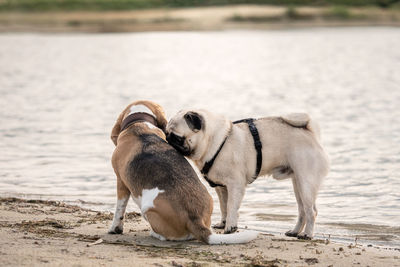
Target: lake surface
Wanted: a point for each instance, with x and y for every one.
(61, 94)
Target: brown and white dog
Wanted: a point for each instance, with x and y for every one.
(160, 180)
(232, 155)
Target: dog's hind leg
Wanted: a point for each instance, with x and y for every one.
(223, 198)
(301, 217)
(308, 191)
(123, 194)
(310, 165)
(155, 235)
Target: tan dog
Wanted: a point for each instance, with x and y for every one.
(232, 155)
(160, 180)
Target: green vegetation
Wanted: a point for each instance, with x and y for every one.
(293, 14)
(254, 19)
(343, 13)
(338, 12)
(69, 5)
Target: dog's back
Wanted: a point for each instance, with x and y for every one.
(168, 170)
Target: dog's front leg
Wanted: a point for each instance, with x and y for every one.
(123, 194)
(223, 198)
(236, 191)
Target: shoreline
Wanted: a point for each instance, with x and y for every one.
(236, 17)
(37, 232)
(368, 235)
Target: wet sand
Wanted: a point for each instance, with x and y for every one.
(36, 233)
(196, 19)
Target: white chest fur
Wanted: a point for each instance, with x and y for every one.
(151, 126)
(145, 201)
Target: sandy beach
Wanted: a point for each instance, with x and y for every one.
(51, 233)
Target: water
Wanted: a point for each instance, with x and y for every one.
(61, 94)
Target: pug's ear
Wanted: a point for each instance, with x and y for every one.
(194, 121)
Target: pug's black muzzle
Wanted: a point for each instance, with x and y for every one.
(178, 143)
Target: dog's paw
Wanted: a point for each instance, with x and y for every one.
(220, 225)
(304, 236)
(116, 231)
(230, 230)
(291, 234)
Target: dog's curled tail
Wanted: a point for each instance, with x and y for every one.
(235, 238)
(303, 120)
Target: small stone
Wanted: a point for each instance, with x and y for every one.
(175, 264)
(311, 260)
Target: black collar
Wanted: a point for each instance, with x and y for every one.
(138, 117)
(207, 166)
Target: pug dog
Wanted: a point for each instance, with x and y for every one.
(160, 180)
(232, 155)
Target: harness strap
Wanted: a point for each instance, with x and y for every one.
(257, 144)
(211, 183)
(207, 166)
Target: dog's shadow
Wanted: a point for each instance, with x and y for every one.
(143, 239)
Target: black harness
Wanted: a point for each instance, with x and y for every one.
(257, 144)
(207, 166)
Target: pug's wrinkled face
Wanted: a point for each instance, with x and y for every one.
(185, 132)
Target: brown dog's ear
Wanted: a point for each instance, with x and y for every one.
(116, 129)
(160, 117)
(194, 121)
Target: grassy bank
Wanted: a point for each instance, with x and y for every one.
(333, 13)
(197, 18)
(102, 5)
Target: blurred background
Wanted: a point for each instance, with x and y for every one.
(69, 67)
(162, 15)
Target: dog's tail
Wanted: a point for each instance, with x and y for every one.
(303, 120)
(313, 127)
(235, 238)
(201, 232)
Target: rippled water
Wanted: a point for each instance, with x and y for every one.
(61, 94)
